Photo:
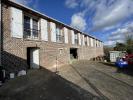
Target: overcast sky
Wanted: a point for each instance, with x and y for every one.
(108, 20)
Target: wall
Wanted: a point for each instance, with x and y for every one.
(14, 56)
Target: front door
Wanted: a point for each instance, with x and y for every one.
(34, 58)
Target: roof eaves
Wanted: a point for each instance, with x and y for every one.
(14, 3)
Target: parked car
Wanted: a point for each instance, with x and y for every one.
(121, 63)
(129, 59)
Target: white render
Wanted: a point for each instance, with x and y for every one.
(79, 37)
(72, 33)
(83, 41)
(44, 29)
(53, 31)
(66, 34)
(16, 20)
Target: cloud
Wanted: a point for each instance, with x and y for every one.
(106, 14)
(109, 43)
(78, 21)
(24, 2)
(120, 34)
(33, 3)
(71, 3)
(109, 15)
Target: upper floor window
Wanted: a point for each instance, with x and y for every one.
(96, 43)
(35, 28)
(76, 38)
(86, 40)
(30, 28)
(27, 31)
(59, 34)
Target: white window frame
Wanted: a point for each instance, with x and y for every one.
(59, 33)
(31, 28)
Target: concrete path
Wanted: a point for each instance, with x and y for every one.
(105, 80)
(71, 75)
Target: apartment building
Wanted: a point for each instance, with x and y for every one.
(31, 39)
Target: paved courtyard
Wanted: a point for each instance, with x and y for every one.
(82, 80)
(102, 79)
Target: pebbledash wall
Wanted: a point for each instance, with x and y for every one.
(52, 52)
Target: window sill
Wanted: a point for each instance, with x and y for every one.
(32, 39)
(59, 42)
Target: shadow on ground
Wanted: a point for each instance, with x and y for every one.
(108, 64)
(40, 84)
(128, 71)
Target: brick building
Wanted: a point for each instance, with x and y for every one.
(31, 40)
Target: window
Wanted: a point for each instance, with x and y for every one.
(59, 34)
(96, 43)
(60, 51)
(35, 28)
(76, 38)
(30, 28)
(86, 40)
(27, 31)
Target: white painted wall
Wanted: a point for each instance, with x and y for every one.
(79, 38)
(83, 40)
(92, 43)
(72, 33)
(66, 34)
(16, 23)
(53, 31)
(44, 30)
(88, 41)
(114, 55)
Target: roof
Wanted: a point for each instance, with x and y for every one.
(25, 8)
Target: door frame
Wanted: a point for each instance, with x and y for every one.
(77, 52)
(29, 56)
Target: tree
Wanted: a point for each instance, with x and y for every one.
(129, 45)
(120, 47)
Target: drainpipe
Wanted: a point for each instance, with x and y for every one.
(95, 49)
(0, 33)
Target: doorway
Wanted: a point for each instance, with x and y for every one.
(33, 57)
(73, 53)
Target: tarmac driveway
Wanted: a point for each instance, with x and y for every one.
(106, 80)
(82, 80)
(43, 85)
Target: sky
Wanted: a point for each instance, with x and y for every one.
(109, 20)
